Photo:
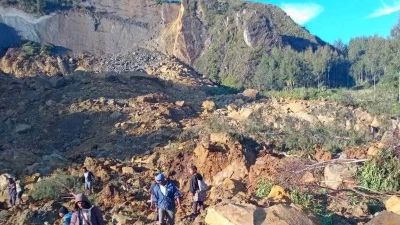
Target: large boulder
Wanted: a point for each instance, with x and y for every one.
(218, 161)
(385, 218)
(252, 94)
(246, 214)
(393, 205)
(336, 175)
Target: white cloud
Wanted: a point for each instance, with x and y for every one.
(301, 13)
(385, 10)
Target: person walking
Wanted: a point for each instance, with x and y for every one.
(12, 190)
(88, 179)
(165, 194)
(198, 195)
(85, 213)
(152, 204)
(65, 215)
(20, 191)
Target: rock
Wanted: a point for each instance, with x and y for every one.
(57, 81)
(222, 138)
(54, 161)
(373, 151)
(252, 94)
(375, 123)
(393, 205)
(233, 186)
(180, 103)
(115, 115)
(246, 214)
(208, 105)
(153, 160)
(4, 215)
(321, 156)
(23, 128)
(385, 218)
(308, 177)
(231, 107)
(278, 194)
(389, 139)
(119, 219)
(127, 170)
(242, 114)
(234, 214)
(237, 170)
(336, 175)
(50, 102)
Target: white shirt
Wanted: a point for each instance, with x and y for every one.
(86, 174)
(86, 215)
(163, 190)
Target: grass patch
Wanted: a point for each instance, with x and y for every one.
(263, 188)
(381, 173)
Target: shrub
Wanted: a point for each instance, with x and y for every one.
(306, 200)
(381, 173)
(263, 187)
(330, 137)
(53, 188)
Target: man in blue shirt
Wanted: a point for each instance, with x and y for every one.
(165, 193)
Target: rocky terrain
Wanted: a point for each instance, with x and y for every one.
(159, 115)
(203, 34)
(120, 87)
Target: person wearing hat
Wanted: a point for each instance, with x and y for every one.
(165, 193)
(65, 215)
(85, 213)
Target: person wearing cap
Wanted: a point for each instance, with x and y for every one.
(165, 193)
(85, 213)
(65, 215)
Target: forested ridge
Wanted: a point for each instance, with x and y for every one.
(363, 61)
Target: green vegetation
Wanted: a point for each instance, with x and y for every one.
(329, 137)
(306, 200)
(293, 63)
(381, 173)
(263, 188)
(30, 49)
(41, 6)
(53, 188)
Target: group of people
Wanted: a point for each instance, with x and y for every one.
(166, 198)
(84, 213)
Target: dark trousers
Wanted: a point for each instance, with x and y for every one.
(13, 197)
(195, 204)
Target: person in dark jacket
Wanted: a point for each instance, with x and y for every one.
(198, 197)
(85, 213)
(12, 190)
(165, 193)
(88, 179)
(65, 215)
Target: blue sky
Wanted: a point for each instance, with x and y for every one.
(342, 19)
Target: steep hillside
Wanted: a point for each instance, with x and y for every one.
(206, 34)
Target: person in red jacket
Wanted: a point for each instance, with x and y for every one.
(85, 213)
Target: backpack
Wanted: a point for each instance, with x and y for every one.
(202, 185)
